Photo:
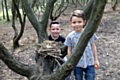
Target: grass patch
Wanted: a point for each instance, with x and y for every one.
(4, 22)
(116, 18)
(9, 12)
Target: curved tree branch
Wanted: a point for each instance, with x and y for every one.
(61, 8)
(16, 66)
(30, 15)
(45, 18)
(88, 9)
(22, 22)
(42, 26)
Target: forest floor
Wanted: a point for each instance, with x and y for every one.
(108, 45)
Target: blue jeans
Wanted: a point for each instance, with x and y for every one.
(68, 77)
(88, 73)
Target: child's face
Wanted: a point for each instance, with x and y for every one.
(55, 30)
(77, 23)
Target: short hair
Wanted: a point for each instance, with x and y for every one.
(54, 22)
(78, 13)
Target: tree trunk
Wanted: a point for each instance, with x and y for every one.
(31, 15)
(44, 21)
(60, 9)
(115, 2)
(3, 9)
(22, 22)
(14, 15)
(15, 65)
(8, 19)
(88, 9)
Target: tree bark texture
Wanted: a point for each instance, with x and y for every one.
(13, 64)
(8, 19)
(2, 2)
(61, 8)
(88, 9)
(41, 26)
(22, 23)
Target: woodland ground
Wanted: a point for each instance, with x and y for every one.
(108, 45)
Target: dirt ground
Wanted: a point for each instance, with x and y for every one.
(108, 46)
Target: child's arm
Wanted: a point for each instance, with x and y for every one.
(95, 55)
(69, 50)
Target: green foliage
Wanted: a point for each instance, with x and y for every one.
(118, 17)
(4, 22)
(119, 12)
(57, 3)
(9, 12)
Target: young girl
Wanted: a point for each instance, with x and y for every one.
(89, 61)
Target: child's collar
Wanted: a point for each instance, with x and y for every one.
(54, 38)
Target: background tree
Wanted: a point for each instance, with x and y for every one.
(7, 14)
(115, 4)
(40, 30)
(61, 7)
(32, 72)
(2, 3)
(16, 13)
(78, 3)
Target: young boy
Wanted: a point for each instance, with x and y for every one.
(89, 58)
(55, 31)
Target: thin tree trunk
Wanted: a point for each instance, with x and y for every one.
(3, 9)
(88, 9)
(22, 22)
(13, 22)
(115, 4)
(61, 8)
(8, 19)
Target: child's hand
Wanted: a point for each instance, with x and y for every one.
(97, 65)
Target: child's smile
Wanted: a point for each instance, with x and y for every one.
(77, 23)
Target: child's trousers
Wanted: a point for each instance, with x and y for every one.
(88, 73)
